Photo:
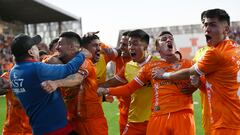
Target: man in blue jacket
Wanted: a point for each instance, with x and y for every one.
(46, 112)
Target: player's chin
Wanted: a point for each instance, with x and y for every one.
(134, 59)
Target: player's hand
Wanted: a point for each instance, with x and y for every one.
(86, 53)
(49, 86)
(158, 73)
(90, 33)
(102, 91)
(109, 98)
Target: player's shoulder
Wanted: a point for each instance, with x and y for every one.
(87, 64)
(153, 63)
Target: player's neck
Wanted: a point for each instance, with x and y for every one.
(66, 59)
(170, 59)
(141, 60)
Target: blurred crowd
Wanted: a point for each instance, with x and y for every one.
(6, 60)
(235, 34)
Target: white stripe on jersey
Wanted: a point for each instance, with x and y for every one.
(120, 79)
(139, 81)
(198, 70)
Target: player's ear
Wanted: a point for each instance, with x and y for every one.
(30, 52)
(226, 28)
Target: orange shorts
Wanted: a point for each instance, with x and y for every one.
(135, 128)
(95, 126)
(174, 123)
(225, 131)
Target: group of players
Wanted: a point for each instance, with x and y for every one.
(154, 94)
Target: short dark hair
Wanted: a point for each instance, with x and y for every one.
(86, 40)
(162, 33)
(140, 34)
(220, 14)
(72, 36)
(52, 43)
(125, 33)
(165, 32)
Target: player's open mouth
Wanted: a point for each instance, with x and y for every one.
(132, 54)
(97, 54)
(208, 38)
(170, 46)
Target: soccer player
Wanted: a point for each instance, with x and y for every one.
(85, 111)
(221, 67)
(172, 111)
(120, 57)
(46, 112)
(120, 60)
(138, 113)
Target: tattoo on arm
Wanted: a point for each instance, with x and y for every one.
(71, 80)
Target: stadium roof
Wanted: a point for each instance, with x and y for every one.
(32, 11)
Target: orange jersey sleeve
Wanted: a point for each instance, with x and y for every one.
(126, 89)
(109, 53)
(208, 63)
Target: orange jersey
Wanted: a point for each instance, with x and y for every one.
(16, 120)
(166, 93)
(88, 93)
(221, 67)
(82, 101)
